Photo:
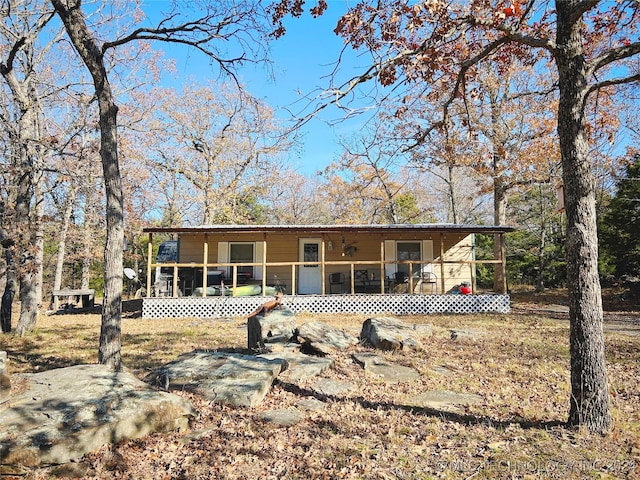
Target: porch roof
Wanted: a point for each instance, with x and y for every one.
(380, 228)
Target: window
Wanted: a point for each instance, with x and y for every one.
(311, 253)
(409, 251)
(242, 253)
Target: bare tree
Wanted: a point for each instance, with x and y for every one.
(218, 23)
(23, 123)
(224, 145)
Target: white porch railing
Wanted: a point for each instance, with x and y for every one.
(396, 304)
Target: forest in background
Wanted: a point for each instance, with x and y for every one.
(211, 153)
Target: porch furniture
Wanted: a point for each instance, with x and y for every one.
(428, 281)
(400, 282)
(364, 283)
(339, 279)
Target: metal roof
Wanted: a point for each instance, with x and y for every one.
(382, 228)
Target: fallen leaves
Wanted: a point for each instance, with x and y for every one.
(519, 367)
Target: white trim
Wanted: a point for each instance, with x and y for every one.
(310, 276)
(390, 256)
(223, 256)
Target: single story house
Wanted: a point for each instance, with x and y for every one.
(228, 270)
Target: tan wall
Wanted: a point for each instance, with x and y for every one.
(283, 247)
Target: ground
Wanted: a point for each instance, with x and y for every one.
(517, 363)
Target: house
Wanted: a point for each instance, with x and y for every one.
(226, 270)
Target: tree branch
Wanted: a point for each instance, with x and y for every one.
(613, 55)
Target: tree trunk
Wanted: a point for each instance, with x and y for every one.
(39, 236)
(10, 288)
(62, 238)
(87, 235)
(24, 198)
(589, 403)
(110, 331)
(499, 218)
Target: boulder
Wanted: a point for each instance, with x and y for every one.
(229, 378)
(445, 400)
(60, 415)
(281, 417)
(300, 366)
(386, 333)
(271, 327)
(5, 379)
(389, 372)
(330, 387)
(324, 339)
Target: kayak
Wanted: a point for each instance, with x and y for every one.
(241, 291)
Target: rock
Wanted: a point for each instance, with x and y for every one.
(5, 379)
(65, 413)
(282, 417)
(330, 387)
(275, 326)
(300, 366)
(234, 379)
(387, 333)
(469, 335)
(441, 369)
(423, 328)
(390, 373)
(311, 404)
(445, 400)
(324, 339)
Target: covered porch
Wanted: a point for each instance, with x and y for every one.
(227, 270)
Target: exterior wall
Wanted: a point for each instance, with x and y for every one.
(365, 252)
(456, 273)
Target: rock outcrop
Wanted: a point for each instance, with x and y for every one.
(277, 326)
(234, 379)
(320, 338)
(386, 333)
(59, 415)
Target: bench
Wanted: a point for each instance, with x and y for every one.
(73, 295)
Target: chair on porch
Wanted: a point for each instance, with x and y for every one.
(339, 279)
(400, 282)
(427, 280)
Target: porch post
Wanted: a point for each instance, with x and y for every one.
(149, 255)
(382, 272)
(264, 263)
(503, 263)
(322, 266)
(205, 260)
(442, 263)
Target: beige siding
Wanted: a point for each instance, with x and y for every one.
(366, 253)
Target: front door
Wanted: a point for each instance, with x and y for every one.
(309, 274)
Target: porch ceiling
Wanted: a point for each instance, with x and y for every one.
(388, 228)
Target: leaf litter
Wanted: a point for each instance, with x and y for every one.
(519, 367)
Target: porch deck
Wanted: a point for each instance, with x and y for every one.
(369, 304)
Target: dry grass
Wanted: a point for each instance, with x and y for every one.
(518, 365)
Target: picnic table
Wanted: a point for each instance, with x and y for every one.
(87, 296)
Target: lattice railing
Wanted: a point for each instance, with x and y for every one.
(402, 304)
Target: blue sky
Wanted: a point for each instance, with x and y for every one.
(302, 59)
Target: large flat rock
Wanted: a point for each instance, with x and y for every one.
(388, 333)
(445, 400)
(389, 372)
(300, 366)
(59, 415)
(230, 378)
(323, 338)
